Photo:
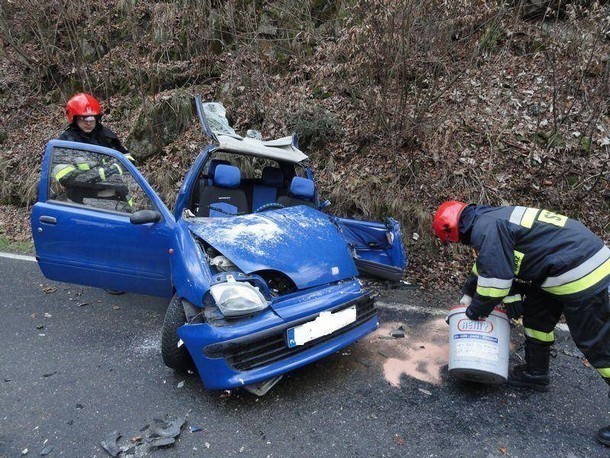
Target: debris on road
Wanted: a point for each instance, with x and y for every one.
(398, 333)
(195, 428)
(48, 289)
(159, 433)
(110, 444)
(49, 374)
(181, 384)
(24, 451)
(40, 326)
(47, 450)
(426, 392)
(399, 440)
(82, 304)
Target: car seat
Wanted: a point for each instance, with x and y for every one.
(224, 197)
(267, 191)
(301, 192)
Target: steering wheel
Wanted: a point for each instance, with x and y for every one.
(270, 206)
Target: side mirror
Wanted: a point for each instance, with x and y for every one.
(145, 216)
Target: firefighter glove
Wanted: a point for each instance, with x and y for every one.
(472, 313)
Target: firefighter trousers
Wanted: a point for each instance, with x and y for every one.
(588, 320)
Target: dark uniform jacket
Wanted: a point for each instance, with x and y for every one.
(557, 254)
(101, 136)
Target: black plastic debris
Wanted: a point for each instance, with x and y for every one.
(40, 326)
(168, 429)
(49, 374)
(399, 332)
(162, 442)
(47, 450)
(110, 444)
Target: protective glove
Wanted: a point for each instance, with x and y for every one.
(472, 313)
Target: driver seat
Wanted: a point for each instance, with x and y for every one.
(301, 192)
(224, 197)
(266, 193)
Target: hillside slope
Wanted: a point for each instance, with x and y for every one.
(400, 104)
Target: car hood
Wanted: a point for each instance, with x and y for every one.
(299, 241)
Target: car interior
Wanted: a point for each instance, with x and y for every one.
(233, 184)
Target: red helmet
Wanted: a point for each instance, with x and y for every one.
(446, 221)
(82, 105)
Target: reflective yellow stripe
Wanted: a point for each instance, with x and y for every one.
(552, 218)
(83, 166)
(65, 171)
(529, 217)
(492, 292)
(511, 299)
(604, 371)
(518, 260)
(539, 335)
(585, 282)
(102, 173)
(474, 270)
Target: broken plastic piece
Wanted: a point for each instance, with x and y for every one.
(195, 428)
(263, 388)
(398, 333)
(110, 444)
(171, 429)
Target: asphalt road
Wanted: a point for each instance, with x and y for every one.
(77, 364)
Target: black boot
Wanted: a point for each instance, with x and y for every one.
(535, 372)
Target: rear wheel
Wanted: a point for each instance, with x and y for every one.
(174, 352)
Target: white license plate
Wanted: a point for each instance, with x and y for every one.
(326, 323)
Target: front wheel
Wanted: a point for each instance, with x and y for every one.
(174, 352)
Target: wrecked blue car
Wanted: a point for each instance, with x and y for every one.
(261, 280)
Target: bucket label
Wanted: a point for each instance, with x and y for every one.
(475, 326)
(476, 346)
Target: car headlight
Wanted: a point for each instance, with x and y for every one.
(237, 298)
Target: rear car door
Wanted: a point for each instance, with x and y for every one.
(81, 223)
(377, 248)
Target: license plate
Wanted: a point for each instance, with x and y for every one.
(326, 323)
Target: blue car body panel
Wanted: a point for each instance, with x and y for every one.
(76, 244)
(298, 241)
(321, 254)
(213, 368)
(378, 249)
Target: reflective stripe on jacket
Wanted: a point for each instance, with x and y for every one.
(554, 252)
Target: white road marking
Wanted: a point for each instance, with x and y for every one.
(434, 311)
(20, 257)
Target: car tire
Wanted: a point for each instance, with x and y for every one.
(175, 356)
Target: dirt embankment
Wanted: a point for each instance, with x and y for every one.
(400, 104)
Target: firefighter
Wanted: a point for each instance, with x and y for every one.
(541, 264)
(84, 114)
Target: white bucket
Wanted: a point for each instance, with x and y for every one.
(478, 350)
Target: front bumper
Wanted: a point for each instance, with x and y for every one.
(230, 357)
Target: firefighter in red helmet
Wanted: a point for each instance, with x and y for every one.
(558, 264)
(84, 114)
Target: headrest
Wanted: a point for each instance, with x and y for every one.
(302, 188)
(215, 163)
(227, 176)
(273, 176)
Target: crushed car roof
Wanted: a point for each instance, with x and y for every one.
(279, 149)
